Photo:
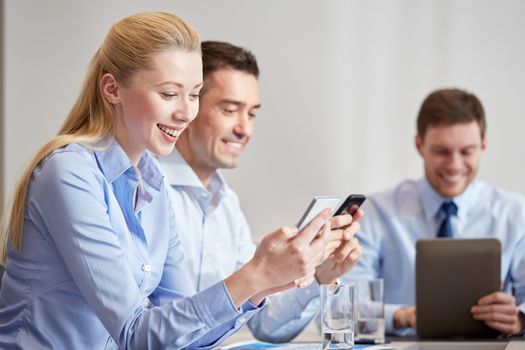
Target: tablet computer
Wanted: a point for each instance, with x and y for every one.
(451, 276)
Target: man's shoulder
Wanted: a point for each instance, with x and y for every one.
(498, 190)
(230, 201)
(499, 198)
(230, 193)
(403, 195)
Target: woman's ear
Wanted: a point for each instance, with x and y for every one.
(109, 88)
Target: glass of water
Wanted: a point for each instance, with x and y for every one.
(338, 316)
(370, 323)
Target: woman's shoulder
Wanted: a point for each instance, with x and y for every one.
(73, 159)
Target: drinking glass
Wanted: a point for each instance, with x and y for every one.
(338, 316)
(370, 323)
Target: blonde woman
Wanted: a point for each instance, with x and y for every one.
(91, 255)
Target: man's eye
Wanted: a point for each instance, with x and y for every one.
(228, 111)
(440, 152)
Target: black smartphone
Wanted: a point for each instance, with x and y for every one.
(351, 204)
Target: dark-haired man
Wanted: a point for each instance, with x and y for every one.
(447, 201)
(214, 233)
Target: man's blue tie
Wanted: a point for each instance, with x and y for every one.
(450, 209)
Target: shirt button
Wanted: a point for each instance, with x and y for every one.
(146, 268)
(242, 319)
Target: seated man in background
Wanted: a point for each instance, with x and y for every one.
(214, 233)
(447, 201)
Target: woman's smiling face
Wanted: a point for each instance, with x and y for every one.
(157, 104)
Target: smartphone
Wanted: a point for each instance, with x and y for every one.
(351, 204)
(317, 205)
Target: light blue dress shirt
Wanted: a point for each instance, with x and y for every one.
(220, 242)
(96, 273)
(396, 219)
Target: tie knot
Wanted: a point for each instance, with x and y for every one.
(449, 208)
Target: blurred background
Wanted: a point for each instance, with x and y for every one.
(341, 84)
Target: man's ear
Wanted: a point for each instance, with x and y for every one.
(484, 144)
(419, 143)
(109, 88)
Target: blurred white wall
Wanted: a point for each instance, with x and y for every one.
(341, 83)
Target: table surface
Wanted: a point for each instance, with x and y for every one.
(312, 335)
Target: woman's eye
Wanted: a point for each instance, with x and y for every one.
(194, 97)
(168, 94)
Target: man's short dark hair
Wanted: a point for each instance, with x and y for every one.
(448, 107)
(217, 55)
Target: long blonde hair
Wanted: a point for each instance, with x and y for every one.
(127, 49)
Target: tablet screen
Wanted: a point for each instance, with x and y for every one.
(451, 276)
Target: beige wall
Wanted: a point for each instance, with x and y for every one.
(341, 83)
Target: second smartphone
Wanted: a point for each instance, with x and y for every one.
(351, 204)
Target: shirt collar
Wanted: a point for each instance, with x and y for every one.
(179, 173)
(113, 162)
(432, 200)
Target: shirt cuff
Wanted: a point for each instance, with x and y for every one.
(521, 308)
(248, 306)
(521, 314)
(390, 310)
(305, 295)
(224, 331)
(215, 306)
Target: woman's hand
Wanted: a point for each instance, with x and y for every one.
(282, 260)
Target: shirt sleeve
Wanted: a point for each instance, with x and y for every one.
(223, 331)
(174, 270)
(245, 245)
(369, 265)
(80, 227)
(370, 239)
(518, 269)
(287, 314)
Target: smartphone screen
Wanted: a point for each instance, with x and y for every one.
(351, 204)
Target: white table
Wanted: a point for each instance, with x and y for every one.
(311, 335)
